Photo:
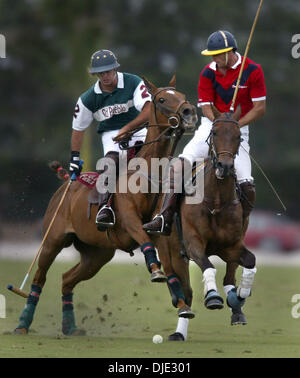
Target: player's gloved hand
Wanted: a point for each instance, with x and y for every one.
(75, 166)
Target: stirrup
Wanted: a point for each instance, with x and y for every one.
(155, 232)
(113, 214)
(162, 222)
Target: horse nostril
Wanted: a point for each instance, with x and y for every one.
(224, 168)
(186, 112)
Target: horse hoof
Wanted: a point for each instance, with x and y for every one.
(177, 336)
(213, 301)
(186, 312)
(20, 331)
(78, 332)
(158, 276)
(234, 301)
(74, 332)
(238, 318)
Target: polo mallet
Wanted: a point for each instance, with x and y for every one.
(20, 291)
(245, 56)
(235, 95)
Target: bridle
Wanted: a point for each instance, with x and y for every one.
(173, 122)
(214, 154)
(212, 205)
(170, 113)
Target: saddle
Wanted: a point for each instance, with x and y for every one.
(89, 179)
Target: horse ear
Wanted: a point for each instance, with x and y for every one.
(151, 87)
(215, 111)
(173, 81)
(236, 115)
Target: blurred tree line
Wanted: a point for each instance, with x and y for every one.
(48, 49)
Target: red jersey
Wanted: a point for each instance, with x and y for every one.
(218, 89)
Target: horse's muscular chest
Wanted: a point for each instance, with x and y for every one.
(223, 230)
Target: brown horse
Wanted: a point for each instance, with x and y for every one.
(216, 226)
(170, 116)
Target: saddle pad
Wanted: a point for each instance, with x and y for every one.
(88, 179)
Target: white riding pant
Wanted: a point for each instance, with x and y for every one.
(198, 148)
(110, 145)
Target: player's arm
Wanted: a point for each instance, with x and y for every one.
(258, 110)
(141, 101)
(82, 118)
(258, 96)
(207, 112)
(77, 140)
(141, 118)
(206, 94)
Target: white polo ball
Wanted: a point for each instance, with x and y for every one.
(157, 339)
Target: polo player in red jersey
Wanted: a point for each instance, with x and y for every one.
(216, 87)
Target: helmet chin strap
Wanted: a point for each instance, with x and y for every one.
(226, 58)
(226, 45)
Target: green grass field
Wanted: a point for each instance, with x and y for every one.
(121, 310)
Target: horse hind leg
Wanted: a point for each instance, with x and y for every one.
(181, 299)
(178, 282)
(92, 260)
(48, 254)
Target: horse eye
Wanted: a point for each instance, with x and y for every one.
(214, 133)
(161, 100)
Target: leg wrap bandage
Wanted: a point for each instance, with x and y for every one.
(28, 312)
(246, 283)
(68, 321)
(149, 252)
(176, 292)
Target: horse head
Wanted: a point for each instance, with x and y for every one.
(225, 139)
(171, 108)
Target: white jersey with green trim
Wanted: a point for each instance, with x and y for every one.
(114, 109)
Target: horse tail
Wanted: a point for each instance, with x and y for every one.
(61, 172)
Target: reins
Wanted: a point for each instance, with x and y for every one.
(173, 123)
(215, 156)
(209, 140)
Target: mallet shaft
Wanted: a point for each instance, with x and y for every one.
(245, 56)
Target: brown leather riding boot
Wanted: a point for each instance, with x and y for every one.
(247, 197)
(162, 223)
(105, 217)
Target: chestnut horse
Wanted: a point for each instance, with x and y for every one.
(170, 116)
(216, 225)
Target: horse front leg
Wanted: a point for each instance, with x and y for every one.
(247, 261)
(233, 300)
(178, 281)
(134, 227)
(196, 250)
(236, 296)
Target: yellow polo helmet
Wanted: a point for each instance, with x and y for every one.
(220, 42)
